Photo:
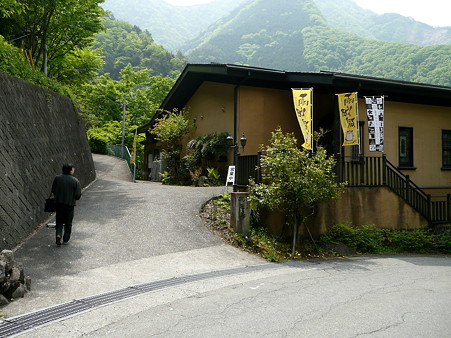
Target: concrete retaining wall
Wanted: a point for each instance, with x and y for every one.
(368, 206)
(357, 206)
(39, 131)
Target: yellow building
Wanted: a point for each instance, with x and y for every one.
(406, 185)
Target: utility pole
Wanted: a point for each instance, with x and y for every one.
(124, 107)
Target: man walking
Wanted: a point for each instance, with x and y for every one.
(66, 190)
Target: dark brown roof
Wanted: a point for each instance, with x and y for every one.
(323, 82)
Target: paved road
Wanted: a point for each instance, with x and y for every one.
(382, 297)
(397, 296)
(131, 233)
(124, 233)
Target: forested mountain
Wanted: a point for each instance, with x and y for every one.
(171, 26)
(121, 44)
(346, 15)
(250, 35)
(329, 49)
(293, 35)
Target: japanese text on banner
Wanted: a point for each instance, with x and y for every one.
(303, 105)
(375, 113)
(349, 118)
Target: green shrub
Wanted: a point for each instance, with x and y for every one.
(98, 144)
(214, 176)
(267, 246)
(442, 242)
(369, 239)
(100, 137)
(364, 239)
(410, 240)
(208, 148)
(223, 201)
(14, 62)
(166, 178)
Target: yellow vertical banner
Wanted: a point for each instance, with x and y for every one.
(349, 118)
(303, 102)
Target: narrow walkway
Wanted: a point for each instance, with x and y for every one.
(124, 234)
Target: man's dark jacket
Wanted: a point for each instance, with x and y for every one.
(66, 189)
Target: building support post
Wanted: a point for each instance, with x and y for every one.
(240, 213)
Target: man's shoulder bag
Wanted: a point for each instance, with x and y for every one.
(50, 204)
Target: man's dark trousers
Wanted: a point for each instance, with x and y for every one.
(64, 217)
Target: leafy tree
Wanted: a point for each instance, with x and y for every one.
(50, 30)
(102, 104)
(111, 133)
(79, 67)
(13, 62)
(100, 137)
(123, 44)
(169, 130)
(206, 148)
(9, 7)
(102, 100)
(297, 179)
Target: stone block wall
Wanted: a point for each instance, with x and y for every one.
(39, 131)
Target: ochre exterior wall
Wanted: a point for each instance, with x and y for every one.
(427, 123)
(211, 107)
(261, 110)
(211, 110)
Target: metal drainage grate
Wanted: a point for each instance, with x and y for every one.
(32, 320)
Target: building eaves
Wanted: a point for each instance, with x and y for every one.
(323, 82)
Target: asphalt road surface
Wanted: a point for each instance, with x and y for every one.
(127, 235)
(393, 296)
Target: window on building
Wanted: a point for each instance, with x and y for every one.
(405, 147)
(446, 149)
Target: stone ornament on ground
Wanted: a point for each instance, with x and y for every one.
(13, 283)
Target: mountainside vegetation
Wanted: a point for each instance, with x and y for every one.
(122, 44)
(347, 16)
(171, 26)
(329, 49)
(107, 67)
(304, 41)
(55, 36)
(250, 35)
(300, 35)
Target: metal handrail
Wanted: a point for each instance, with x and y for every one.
(123, 153)
(378, 171)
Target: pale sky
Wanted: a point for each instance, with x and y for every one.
(432, 12)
